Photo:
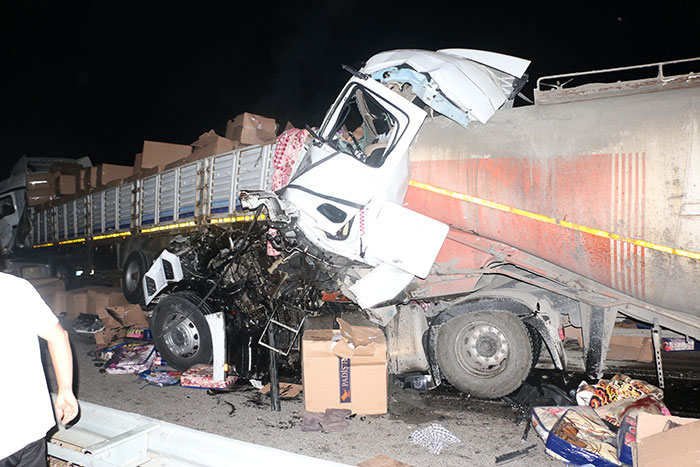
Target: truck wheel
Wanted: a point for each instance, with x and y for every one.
(181, 332)
(135, 268)
(485, 354)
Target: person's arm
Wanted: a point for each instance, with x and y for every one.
(59, 347)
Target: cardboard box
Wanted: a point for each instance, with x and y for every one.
(58, 302)
(41, 188)
(677, 446)
(116, 320)
(635, 348)
(345, 369)
(249, 128)
(156, 154)
(102, 297)
(90, 178)
(76, 302)
(107, 173)
(66, 184)
(39, 200)
(571, 332)
(209, 144)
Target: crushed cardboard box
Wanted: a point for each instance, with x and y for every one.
(248, 128)
(117, 320)
(101, 297)
(345, 369)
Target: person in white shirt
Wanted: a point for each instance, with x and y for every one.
(24, 397)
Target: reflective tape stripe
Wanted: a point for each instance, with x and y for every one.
(551, 220)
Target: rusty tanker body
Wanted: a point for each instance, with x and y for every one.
(604, 184)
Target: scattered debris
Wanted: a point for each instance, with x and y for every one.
(511, 456)
(435, 438)
(287, 390)
(131, 359)
(161, 378)
(333, 420)
(201, 376)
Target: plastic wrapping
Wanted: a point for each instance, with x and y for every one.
(626, 437)
(544, 418)
(616, 388)
(616, 411)
(583, 438)
(131, 359)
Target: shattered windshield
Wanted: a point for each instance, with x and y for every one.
(364, 129)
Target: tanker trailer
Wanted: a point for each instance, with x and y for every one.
(476, 234)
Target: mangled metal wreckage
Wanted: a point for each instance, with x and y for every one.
(419, 224)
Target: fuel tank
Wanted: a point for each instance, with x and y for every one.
(607, 187)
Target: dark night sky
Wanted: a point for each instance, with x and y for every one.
(97, 78)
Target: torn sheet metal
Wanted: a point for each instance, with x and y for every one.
(477, 82)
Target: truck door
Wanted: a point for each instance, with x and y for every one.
(360, 155)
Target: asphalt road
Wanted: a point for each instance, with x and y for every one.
(485, 429)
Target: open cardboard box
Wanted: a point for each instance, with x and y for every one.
(345, 369)
(678, 446)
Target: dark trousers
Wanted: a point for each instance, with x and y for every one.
(32, 455)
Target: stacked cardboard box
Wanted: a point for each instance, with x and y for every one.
(209, 144)
(157, 155)
(101, 175)
(249, 128)
(41, 188)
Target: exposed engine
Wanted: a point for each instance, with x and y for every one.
(258, 278)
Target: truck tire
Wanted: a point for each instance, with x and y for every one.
(485, 353)
(181, 332)
(135, 268)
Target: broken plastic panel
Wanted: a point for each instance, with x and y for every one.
(166, 269)
(476, 82)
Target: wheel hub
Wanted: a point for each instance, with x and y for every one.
(183, 340)
(482, 349)
(132, 276)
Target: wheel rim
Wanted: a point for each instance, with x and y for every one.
(482, 349)
(132, 276)
(183, 339)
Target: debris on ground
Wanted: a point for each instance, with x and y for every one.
(287, 390)
(511, 456)
(201, 376)
(161, 377)
(131, 359)
(435, 438)
(404, 400)
(330, 421)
